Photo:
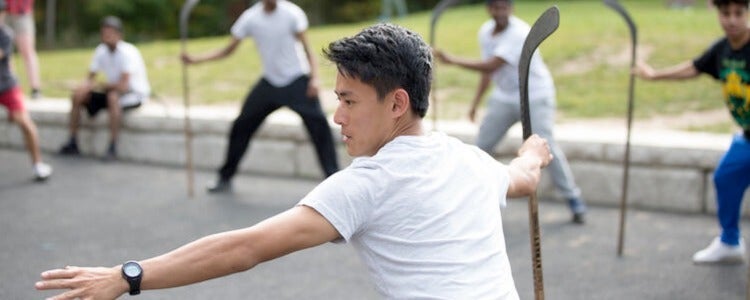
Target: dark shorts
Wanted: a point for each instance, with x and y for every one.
(747, 134)
(98, 101)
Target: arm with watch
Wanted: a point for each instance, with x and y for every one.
(209, 257)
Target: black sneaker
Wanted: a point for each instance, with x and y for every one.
(579, 218)
(111, 154)
(578, 207)
(219, 186)
(71, 148)
(36, 94)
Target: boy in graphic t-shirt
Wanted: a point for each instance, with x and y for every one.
(726, 61)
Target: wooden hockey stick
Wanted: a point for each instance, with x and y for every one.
(187, 7)
(626, 161)
(436, 13)
(542, 28)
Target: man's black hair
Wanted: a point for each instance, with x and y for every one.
(720, 3)
(387, 57)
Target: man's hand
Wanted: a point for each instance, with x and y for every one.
(536, 147)
(472, 114)
(441, 56)
(187, 59)
(84, 283)
(525, 170)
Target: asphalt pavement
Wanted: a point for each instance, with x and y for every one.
(94, 213)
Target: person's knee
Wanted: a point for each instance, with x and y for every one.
(21, 118)
(80, 95)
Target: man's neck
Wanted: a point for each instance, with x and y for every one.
(499, 28)
(740, 41)
(269, 8)
(408, 126)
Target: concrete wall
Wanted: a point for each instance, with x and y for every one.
(670, 170)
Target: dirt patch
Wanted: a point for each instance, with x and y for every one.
(602, 55)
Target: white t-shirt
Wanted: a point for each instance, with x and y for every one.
(507, 45)
(125, 59)
(281, 53)
(424, 216)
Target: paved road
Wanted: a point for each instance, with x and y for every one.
(95, 213)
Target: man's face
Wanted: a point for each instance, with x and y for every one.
(500, 11)
(366, 123)
(733, 19)
(109, 36)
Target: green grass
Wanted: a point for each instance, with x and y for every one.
(588, 56)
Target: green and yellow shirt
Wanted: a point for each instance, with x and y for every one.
(732, 68)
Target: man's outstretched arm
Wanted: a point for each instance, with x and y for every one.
(206, 258)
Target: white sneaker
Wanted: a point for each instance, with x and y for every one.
(718, 252)
(42, 171)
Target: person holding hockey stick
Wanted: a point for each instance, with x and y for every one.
(501, 39)
(728, 61)
(290, 78)
(421, 209)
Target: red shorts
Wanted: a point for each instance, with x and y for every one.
(12, 99)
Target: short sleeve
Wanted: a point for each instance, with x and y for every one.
(707, 63)
(500, 174)
(241, 28)
(344, 199)
(6, 43)
(131, 56)
(96, 64)
(300, 20)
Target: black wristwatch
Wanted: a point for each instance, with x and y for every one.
(132, 272)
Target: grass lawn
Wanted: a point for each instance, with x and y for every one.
(588, 56)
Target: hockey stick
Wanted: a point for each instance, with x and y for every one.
(626, 162)
(543, 28)
(436, 12)
(187, 7)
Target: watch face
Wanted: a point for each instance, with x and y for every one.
(131, 270)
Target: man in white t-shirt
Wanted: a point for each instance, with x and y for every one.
(126, 85)
(501, 39)
(421, 209)
(290, 78)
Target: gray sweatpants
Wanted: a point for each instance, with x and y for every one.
(500, 116)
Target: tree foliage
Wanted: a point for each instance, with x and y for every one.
(77, 22)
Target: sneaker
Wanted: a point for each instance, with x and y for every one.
(579, 218)
(219, 186)
(111, 154)
(71, 148)
(579, 210)
(718, 252)
(42, 171)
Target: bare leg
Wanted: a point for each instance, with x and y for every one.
(78, 99)
(30, 135)
(27, 48)
(115, 114)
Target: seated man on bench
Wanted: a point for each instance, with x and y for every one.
(127, 85)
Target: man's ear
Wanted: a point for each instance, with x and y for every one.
(401, 102)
